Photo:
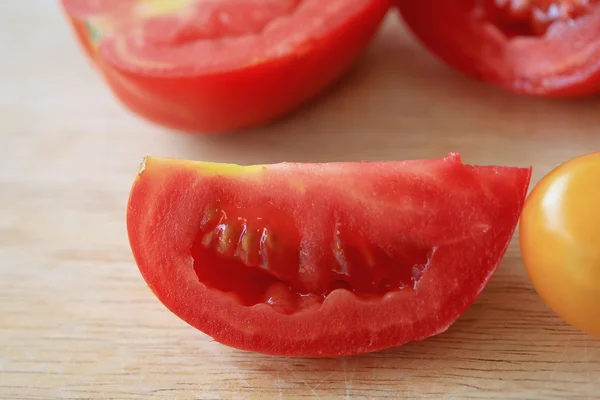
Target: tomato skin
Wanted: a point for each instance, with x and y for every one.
(565, 63)
(166, 208)
(560, 241)
(249, 95)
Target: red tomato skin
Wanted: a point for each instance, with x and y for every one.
(167, 192)
(477, 49)
(249, 96)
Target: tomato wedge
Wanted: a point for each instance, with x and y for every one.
(321, 259)
(213, 66)
(541, 48)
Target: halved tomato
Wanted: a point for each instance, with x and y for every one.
(321, 259)
(540, 47)
(209, 66)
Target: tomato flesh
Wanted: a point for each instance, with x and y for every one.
(220, 66)
(321, 259)
(560, 241)
(540, 48)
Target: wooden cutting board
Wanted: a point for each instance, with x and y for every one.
(77, 321)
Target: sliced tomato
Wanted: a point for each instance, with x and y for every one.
(221, 65)
(543, 48)
(321, 259)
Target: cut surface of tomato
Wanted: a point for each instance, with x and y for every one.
(321, 259)
(221, 65)
(543, 48)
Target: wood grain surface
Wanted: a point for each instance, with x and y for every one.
(77, 321)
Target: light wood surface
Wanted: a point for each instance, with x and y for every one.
(77, 321)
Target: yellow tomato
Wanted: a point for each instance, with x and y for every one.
(560, 241)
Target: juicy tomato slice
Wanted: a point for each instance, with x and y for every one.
(560, 241)
(321, 259)
(221, 65)
(543, 48)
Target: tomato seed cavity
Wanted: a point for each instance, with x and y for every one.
(255, 256)
(534, 17)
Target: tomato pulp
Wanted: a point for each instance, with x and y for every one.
(218, 66)
(321, 259)
(560, 241)
(543, 48)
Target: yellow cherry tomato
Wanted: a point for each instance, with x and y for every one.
(560, 241)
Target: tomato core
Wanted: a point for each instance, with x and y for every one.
(182, 22)
(196, 35)
(262, 258)
(531, 17)
(217, 20)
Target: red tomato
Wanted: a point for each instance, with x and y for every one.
(321, 259)
(560, 241)
(544, 48)
(217, 66)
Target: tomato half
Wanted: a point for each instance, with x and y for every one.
(217, 66)
(321, 259)
(543, 48)
(560, 241)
